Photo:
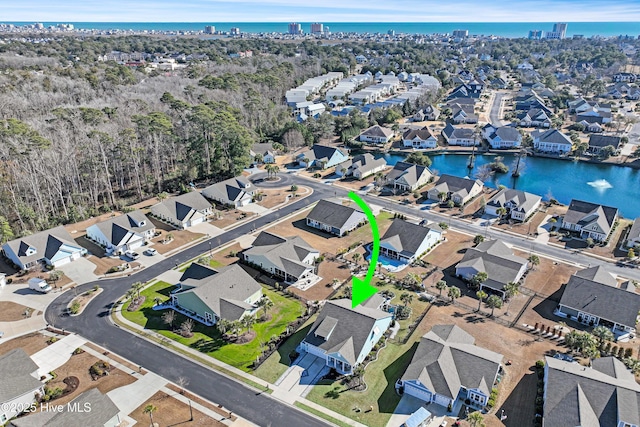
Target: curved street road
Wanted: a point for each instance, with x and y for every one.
(263, 410)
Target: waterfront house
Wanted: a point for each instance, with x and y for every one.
(497, 260)
(54, 247)
(592, 297)
(520, 205)
(208, 295)
(183, 211)
(460, 190)
(604, 394)
(364, 165)
(408, 176)
(463, 113)
(551, 141)
(633, 238)
(235, 192)
(122, 233)
(333, 217)
(407, 242)
(322, 156)
(376, 135)
(343, 336)
(598, 142)
(459, 136)
(448, 367)
(535, 117)
(419, 138)
(90, 408)
(22, 386)
(289, 258)
(590, 219)
(503, 137)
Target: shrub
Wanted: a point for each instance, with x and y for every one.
(75, 307)
(53, 375)
(540, 364)
(78, 351)
(52, 340)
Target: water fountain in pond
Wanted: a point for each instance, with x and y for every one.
(600, 184)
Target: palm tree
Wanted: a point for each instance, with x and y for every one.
(130, 294)
(248, 322)
(511, 289)
(137, 286)
(454, 292)
(501, 212)
(406, 298)
(347, 292)
(169, 317)
(493, 302)
(275, 169)
(266, 304)
(476, 419)
(441, 285)
(150, 409)
(157, 300)
(632, 364)
(442, 196)
(603, 334)
(479, 278)
(358, 373)
(223, 325)
(534, 260)
(481, 296)
(356, 257)
(412, 279)
(235, 327)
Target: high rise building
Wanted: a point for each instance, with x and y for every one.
(295, 28)
(460, 34)
(316, 28)
(535, 34)
(209, 29)
(559, 31)
(235, 31)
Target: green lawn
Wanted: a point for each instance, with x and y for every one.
(208, 339)
(212, 263)
(320, 414)
(278, 362)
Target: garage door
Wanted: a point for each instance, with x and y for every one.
(196, 221)
(442, 400)
(417, 392)
(135, 245)
(243, 202)
(63, 261)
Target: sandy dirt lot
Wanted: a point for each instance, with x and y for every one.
(451, 251)
(180, 237)
(328, 270)
(31, 343)
(10, 311)
(171, 412)
(278, 196)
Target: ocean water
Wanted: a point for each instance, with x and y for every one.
(503, 29)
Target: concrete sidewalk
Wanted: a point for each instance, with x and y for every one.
(127, 398)
(57, 354)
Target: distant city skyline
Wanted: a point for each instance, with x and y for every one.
(329, 11)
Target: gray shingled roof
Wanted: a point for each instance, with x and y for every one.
(497, 260)
(378, 131)
(446, 359)
(46, 243)
(318, 152)
(522, 201)
(598, 274)
(231, 189)
(409, 171)
(506, 133)
(224, 291)
(333, 213)
(586, 213)
(102, 410)
(581, 396)
(405, 237)
(602, 300)
(116, 229)
(450, 131)
(181, 207)
(16, 368)
(351, 331)
(285, 253)
(634, 233)
(553, 136)
(456, 185)
(601, 141)
(366, 162)
(422, 133)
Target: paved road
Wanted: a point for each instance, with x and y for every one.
(494, 115)
(94, 325)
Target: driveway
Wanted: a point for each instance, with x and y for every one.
(21, 294)
(255, 208)
(298, 380)
(57, 354)
(80, 271)
(408, 405)
(206, 228)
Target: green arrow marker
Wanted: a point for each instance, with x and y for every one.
(362, 289)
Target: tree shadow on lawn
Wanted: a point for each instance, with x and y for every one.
(389, 399)
(290, 345)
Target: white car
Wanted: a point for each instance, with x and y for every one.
(150, 252)
(132, 255)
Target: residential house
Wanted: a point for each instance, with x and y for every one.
(447, 366)
(530, 100)
(590, 219)
(21, 383)
(591, 127)
(343, 336)
(335, 218)
(289, 258)
(183, 211)
(592, 297)
(519, 205)
(633, 94)
(261, 149)
(376, 135)
(499, 83)
(407, 242)
(122, 233)
(90, 408)
(408, 176)
(633, 238)
(236, 192)
(535, 117)
(429, 112)
(322, 156)
(598, 142)
(54, 247)
(364, 165)
(605, 394)
(460, 190)
(419, 138)
(497, 260)
(624, 77)
(503, 137)
(459, 136)
(269, 157)
(208, 295)
(551, 141)
(463, 113)
(594, 115)
(472, 89)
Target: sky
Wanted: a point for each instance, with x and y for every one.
(321, 11)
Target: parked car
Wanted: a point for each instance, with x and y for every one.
(150, 252)
(39, 285)
(132, 255)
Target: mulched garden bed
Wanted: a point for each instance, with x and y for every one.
(99, 369)
(72, 384)
(136, 303)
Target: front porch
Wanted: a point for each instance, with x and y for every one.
(185, 311)
(339, 365)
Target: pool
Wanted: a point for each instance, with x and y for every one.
(393, 265)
